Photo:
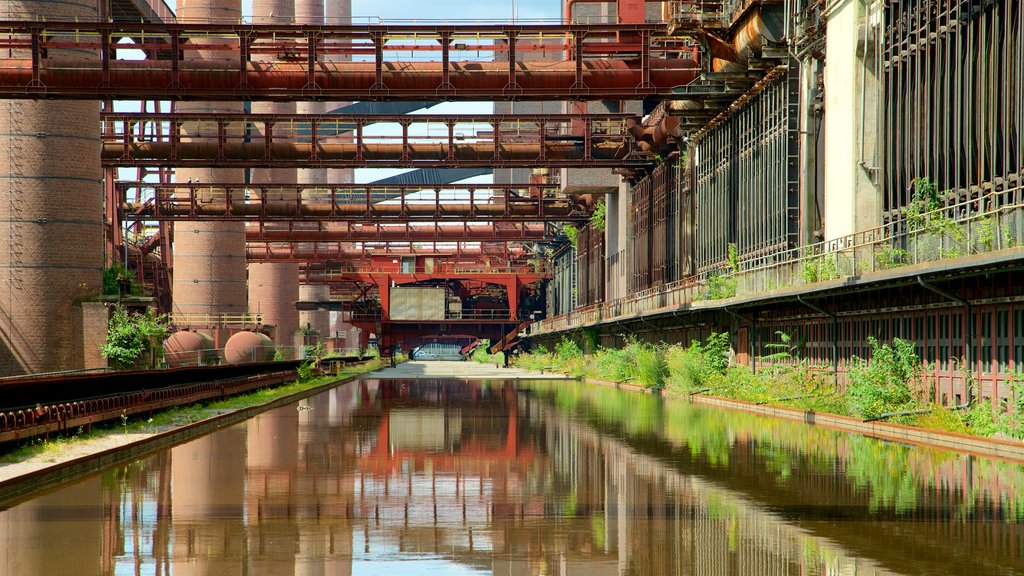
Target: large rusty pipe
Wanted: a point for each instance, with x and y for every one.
(209, 153)
(748, 39)
(556, 209)
(290, 253)
(220, 79)
(440, 232)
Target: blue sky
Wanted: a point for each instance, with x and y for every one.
(368, 11)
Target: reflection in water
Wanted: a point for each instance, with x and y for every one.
(391, 477)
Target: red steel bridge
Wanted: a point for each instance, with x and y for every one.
(352, 234)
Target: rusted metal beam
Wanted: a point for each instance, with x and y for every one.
(352, 252)
(380, 232)
(294, 140)
(277, 62)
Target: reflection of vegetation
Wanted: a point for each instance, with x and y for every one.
(889, 477)
(885, 473)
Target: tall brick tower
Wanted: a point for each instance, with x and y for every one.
(51, 216)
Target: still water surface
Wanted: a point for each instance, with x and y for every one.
(530, 478)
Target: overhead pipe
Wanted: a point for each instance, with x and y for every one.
(488, 232)
(220, 79)
(556, 209)
(305, 254)
(278, 154)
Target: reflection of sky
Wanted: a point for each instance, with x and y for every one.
(417, 566)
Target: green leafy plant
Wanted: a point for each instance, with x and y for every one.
(785, 349)
(889, 257)
(572, 233)
(987, 233)
(597, 219)
(718, 287)
(480, 353)
(690, 369)
(924, 200)
(567, 349)
(307, 369)
(884, 383)
(819, 268)
(132, 338)
(116, 274)
(733, 257)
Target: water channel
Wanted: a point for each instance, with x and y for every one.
(524, 478)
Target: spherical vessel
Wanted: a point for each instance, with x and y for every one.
(189, 349)
(245, 347)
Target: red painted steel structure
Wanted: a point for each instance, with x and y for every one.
(283, 140)
(302, 202)
(356, 251)
(625, 62)
(380, 232)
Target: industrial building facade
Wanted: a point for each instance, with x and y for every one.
(843, 170)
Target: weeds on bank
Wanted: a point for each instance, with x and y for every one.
(887, 385)
(49, 448)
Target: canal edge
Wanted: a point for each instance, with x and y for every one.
(51, 477)
(975, 445)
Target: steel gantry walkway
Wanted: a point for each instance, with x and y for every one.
(424, 140)
(303, 202)
(86, 60)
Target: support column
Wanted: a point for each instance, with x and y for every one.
(852, 200)
(209, 257)
(51, 217)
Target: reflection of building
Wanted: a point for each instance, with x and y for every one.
(482, 477)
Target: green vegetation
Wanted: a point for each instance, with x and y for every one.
(482, 356)
(820, 268)
(889, 257)
(885, 383)
(889, 385)
(134, 341)
(597, 219)
(116, 274)
(719, 287)
(572, 233)
(52, 446)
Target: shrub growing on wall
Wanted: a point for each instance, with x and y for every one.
(132, 339)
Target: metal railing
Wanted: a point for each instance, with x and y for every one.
(960, 229)
(207, 320)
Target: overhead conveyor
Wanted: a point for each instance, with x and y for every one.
(386, 62)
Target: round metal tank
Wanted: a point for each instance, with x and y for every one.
(189, 349)
(245, 347)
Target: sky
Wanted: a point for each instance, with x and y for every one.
(427, 12)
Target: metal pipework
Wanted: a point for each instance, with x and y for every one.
(252, 140)
(266, 252)
(142, 201)
(378, 232)
(194, 207)
(349, 251)
(299, 65)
